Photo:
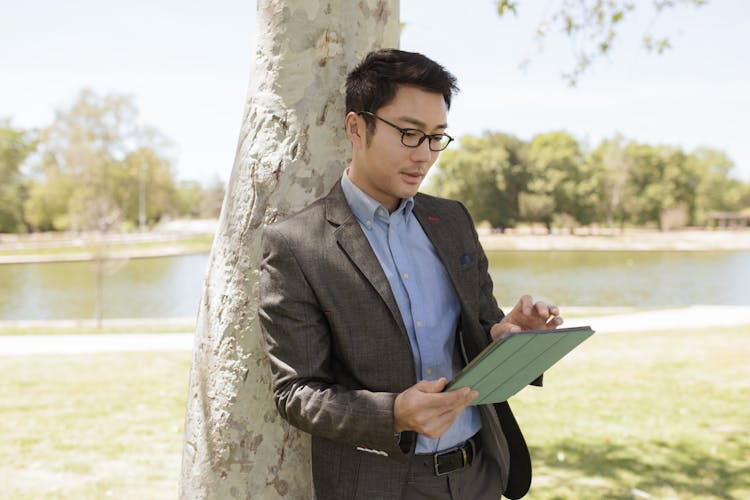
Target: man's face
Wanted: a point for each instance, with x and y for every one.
(385, 168)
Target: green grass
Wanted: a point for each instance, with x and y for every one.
(665, 413)
(93, 426)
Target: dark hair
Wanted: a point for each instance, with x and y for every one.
(373, 83)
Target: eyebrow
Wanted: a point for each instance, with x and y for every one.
(420, 123)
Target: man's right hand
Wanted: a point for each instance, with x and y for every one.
(425, 409)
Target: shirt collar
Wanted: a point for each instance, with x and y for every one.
(366, 208)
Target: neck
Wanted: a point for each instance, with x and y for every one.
(388, 202)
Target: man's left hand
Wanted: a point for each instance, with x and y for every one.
(527, 315)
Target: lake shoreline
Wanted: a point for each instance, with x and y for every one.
(32, 258)
(629, 240)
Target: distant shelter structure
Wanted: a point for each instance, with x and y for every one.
(730, 220)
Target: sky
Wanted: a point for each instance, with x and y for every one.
(187, 65)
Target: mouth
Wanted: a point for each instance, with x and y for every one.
(412, 177)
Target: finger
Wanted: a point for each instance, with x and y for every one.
(555, 322)
(508, 327)
(438, 423)
(449, 414)
(433, 410)
(472, 395)
(432, 386)
(503, 327)
(527, 304)
(545, 310)
(552, 318)
(541, 310)
(457, 399)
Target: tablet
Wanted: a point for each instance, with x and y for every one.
(516, 359)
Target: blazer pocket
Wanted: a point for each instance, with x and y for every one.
(468, 277)
(466, 260)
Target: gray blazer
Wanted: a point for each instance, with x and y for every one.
(340, 353)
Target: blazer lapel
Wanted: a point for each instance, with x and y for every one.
(438, 229)
(354, 243)
(441, 228)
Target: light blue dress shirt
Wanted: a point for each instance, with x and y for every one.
(425, 295)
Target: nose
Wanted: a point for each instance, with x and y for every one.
(423, 153)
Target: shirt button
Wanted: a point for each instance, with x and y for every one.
(419, 323)
(429, 371)
(406, 276)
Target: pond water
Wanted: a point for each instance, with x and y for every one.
(615, 279)
(137, 288)
(172, 286)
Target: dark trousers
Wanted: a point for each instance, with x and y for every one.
(478, 481)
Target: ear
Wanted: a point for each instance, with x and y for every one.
(355, 128)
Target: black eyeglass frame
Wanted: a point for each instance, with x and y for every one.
(413, 131)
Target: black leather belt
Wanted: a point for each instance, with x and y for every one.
(452, 459)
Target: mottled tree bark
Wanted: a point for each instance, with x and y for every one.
(292, 148)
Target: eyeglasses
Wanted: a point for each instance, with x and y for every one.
(413, 138)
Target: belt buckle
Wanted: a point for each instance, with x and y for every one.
(436, 465)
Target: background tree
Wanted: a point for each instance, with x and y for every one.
(656, 182)
(487, 174)
(612, 169)
(15, 146)
(189, 198)
(680, 183)
(212, 199)
(145, 181)
(46, 206)
(92, 159)
(551, 180)
(85, 143)
(292, 149)
(717, 191)
(555, 160)
(197, 201)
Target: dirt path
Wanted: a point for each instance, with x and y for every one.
(23, 345)
(667, 319)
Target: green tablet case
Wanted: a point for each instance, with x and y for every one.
(515, 360)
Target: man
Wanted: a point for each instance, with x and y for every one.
(374, 296)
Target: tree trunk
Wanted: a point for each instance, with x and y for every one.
(292, 148)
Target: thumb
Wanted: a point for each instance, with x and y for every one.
(500, 329)
(432, 385)
(509, 328)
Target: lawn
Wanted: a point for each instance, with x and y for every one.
(644, 415)
(92, 426)
(637, 415)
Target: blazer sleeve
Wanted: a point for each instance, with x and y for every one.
(299, 345)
